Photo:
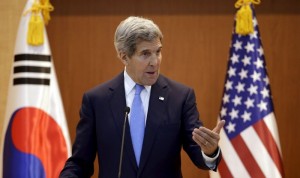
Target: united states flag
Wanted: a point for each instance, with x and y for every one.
(249, 139)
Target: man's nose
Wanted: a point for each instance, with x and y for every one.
(154, 60)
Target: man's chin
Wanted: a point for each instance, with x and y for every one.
(151, 81)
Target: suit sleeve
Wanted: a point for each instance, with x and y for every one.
(81, 163)
(190, 118)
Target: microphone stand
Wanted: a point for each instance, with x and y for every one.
(127, 110)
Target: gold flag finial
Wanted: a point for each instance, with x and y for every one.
(244, 24)
(40, 8)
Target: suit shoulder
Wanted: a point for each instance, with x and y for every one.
(174, 84)
(103, 88)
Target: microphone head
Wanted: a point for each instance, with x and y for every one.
(127, 109)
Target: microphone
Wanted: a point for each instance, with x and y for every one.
(126, 110)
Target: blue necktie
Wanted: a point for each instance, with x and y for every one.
(137, 123)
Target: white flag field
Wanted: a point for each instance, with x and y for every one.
(35, 140)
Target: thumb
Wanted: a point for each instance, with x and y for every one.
(219, 126)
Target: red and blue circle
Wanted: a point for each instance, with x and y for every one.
(34, 145)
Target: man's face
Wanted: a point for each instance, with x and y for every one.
(143, 65)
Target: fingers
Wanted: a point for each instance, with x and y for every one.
(210, 134)
(208, 139)
(203, 134)
(199, 138)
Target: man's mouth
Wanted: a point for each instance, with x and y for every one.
(150, 73)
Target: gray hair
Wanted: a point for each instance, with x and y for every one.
(133, 30)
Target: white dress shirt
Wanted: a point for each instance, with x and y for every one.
(129, 85)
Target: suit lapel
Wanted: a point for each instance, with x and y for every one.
(156, 110)
(118, 101)
(117, 106)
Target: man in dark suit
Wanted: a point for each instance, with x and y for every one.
(165, 110)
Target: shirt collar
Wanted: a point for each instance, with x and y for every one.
(130, 84)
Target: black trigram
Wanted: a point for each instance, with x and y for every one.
(22, 72)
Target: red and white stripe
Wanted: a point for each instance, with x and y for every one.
(254, 153)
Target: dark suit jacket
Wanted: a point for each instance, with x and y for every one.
(169, 127)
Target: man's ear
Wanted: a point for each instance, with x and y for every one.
(124, 58)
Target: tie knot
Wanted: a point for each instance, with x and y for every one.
(138, 89)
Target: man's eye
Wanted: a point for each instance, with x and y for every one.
(146, 53)
(158, 52)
